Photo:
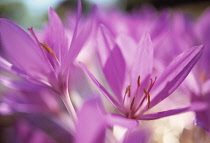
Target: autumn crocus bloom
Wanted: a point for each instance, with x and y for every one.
(47, 62)
(128, 69)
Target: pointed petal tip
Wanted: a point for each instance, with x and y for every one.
(200, 47)
(79, 8)
(51, 12)
(51, 9)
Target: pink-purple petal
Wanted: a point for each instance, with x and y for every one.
(175, 73)
(21, 49)
(91, 126)
(4, 64)
(162, 114)
(114, 63)
(55, 36)
(137, 135)
(103, 90)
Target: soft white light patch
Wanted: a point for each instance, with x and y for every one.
(119, 132)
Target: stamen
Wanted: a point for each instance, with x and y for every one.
(132, 103)
(148, 100)
(49, 50)
(151, 84)
(138, 81)
(147, 95)
(145, 91)
(128, 91)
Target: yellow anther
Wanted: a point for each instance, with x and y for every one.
(49, 50)
(128, 90)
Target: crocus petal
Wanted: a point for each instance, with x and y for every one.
(143, 58)
(18, 85)
(21, 49)
(79, 9)
(137, 135)
(55, 36)
(11, 68)
(91, 126)
(129, 47)
(78, 40)
(106, 42)
(114, 67)
(79, 12)
(116, 119)
(103, 90)
(175, 73)
(142, 62)
(162, 114)
(114, 71)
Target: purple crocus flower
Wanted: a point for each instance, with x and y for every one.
(48, 62)
(128, 68)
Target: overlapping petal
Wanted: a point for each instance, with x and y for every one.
(22, 51)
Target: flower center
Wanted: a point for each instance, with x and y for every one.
(133, 103)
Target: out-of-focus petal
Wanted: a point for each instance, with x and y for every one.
(137, 135)
(203, 33)
(48, 125)
(202, 117)
(205, 87)
(27, 133)
(91, 126)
